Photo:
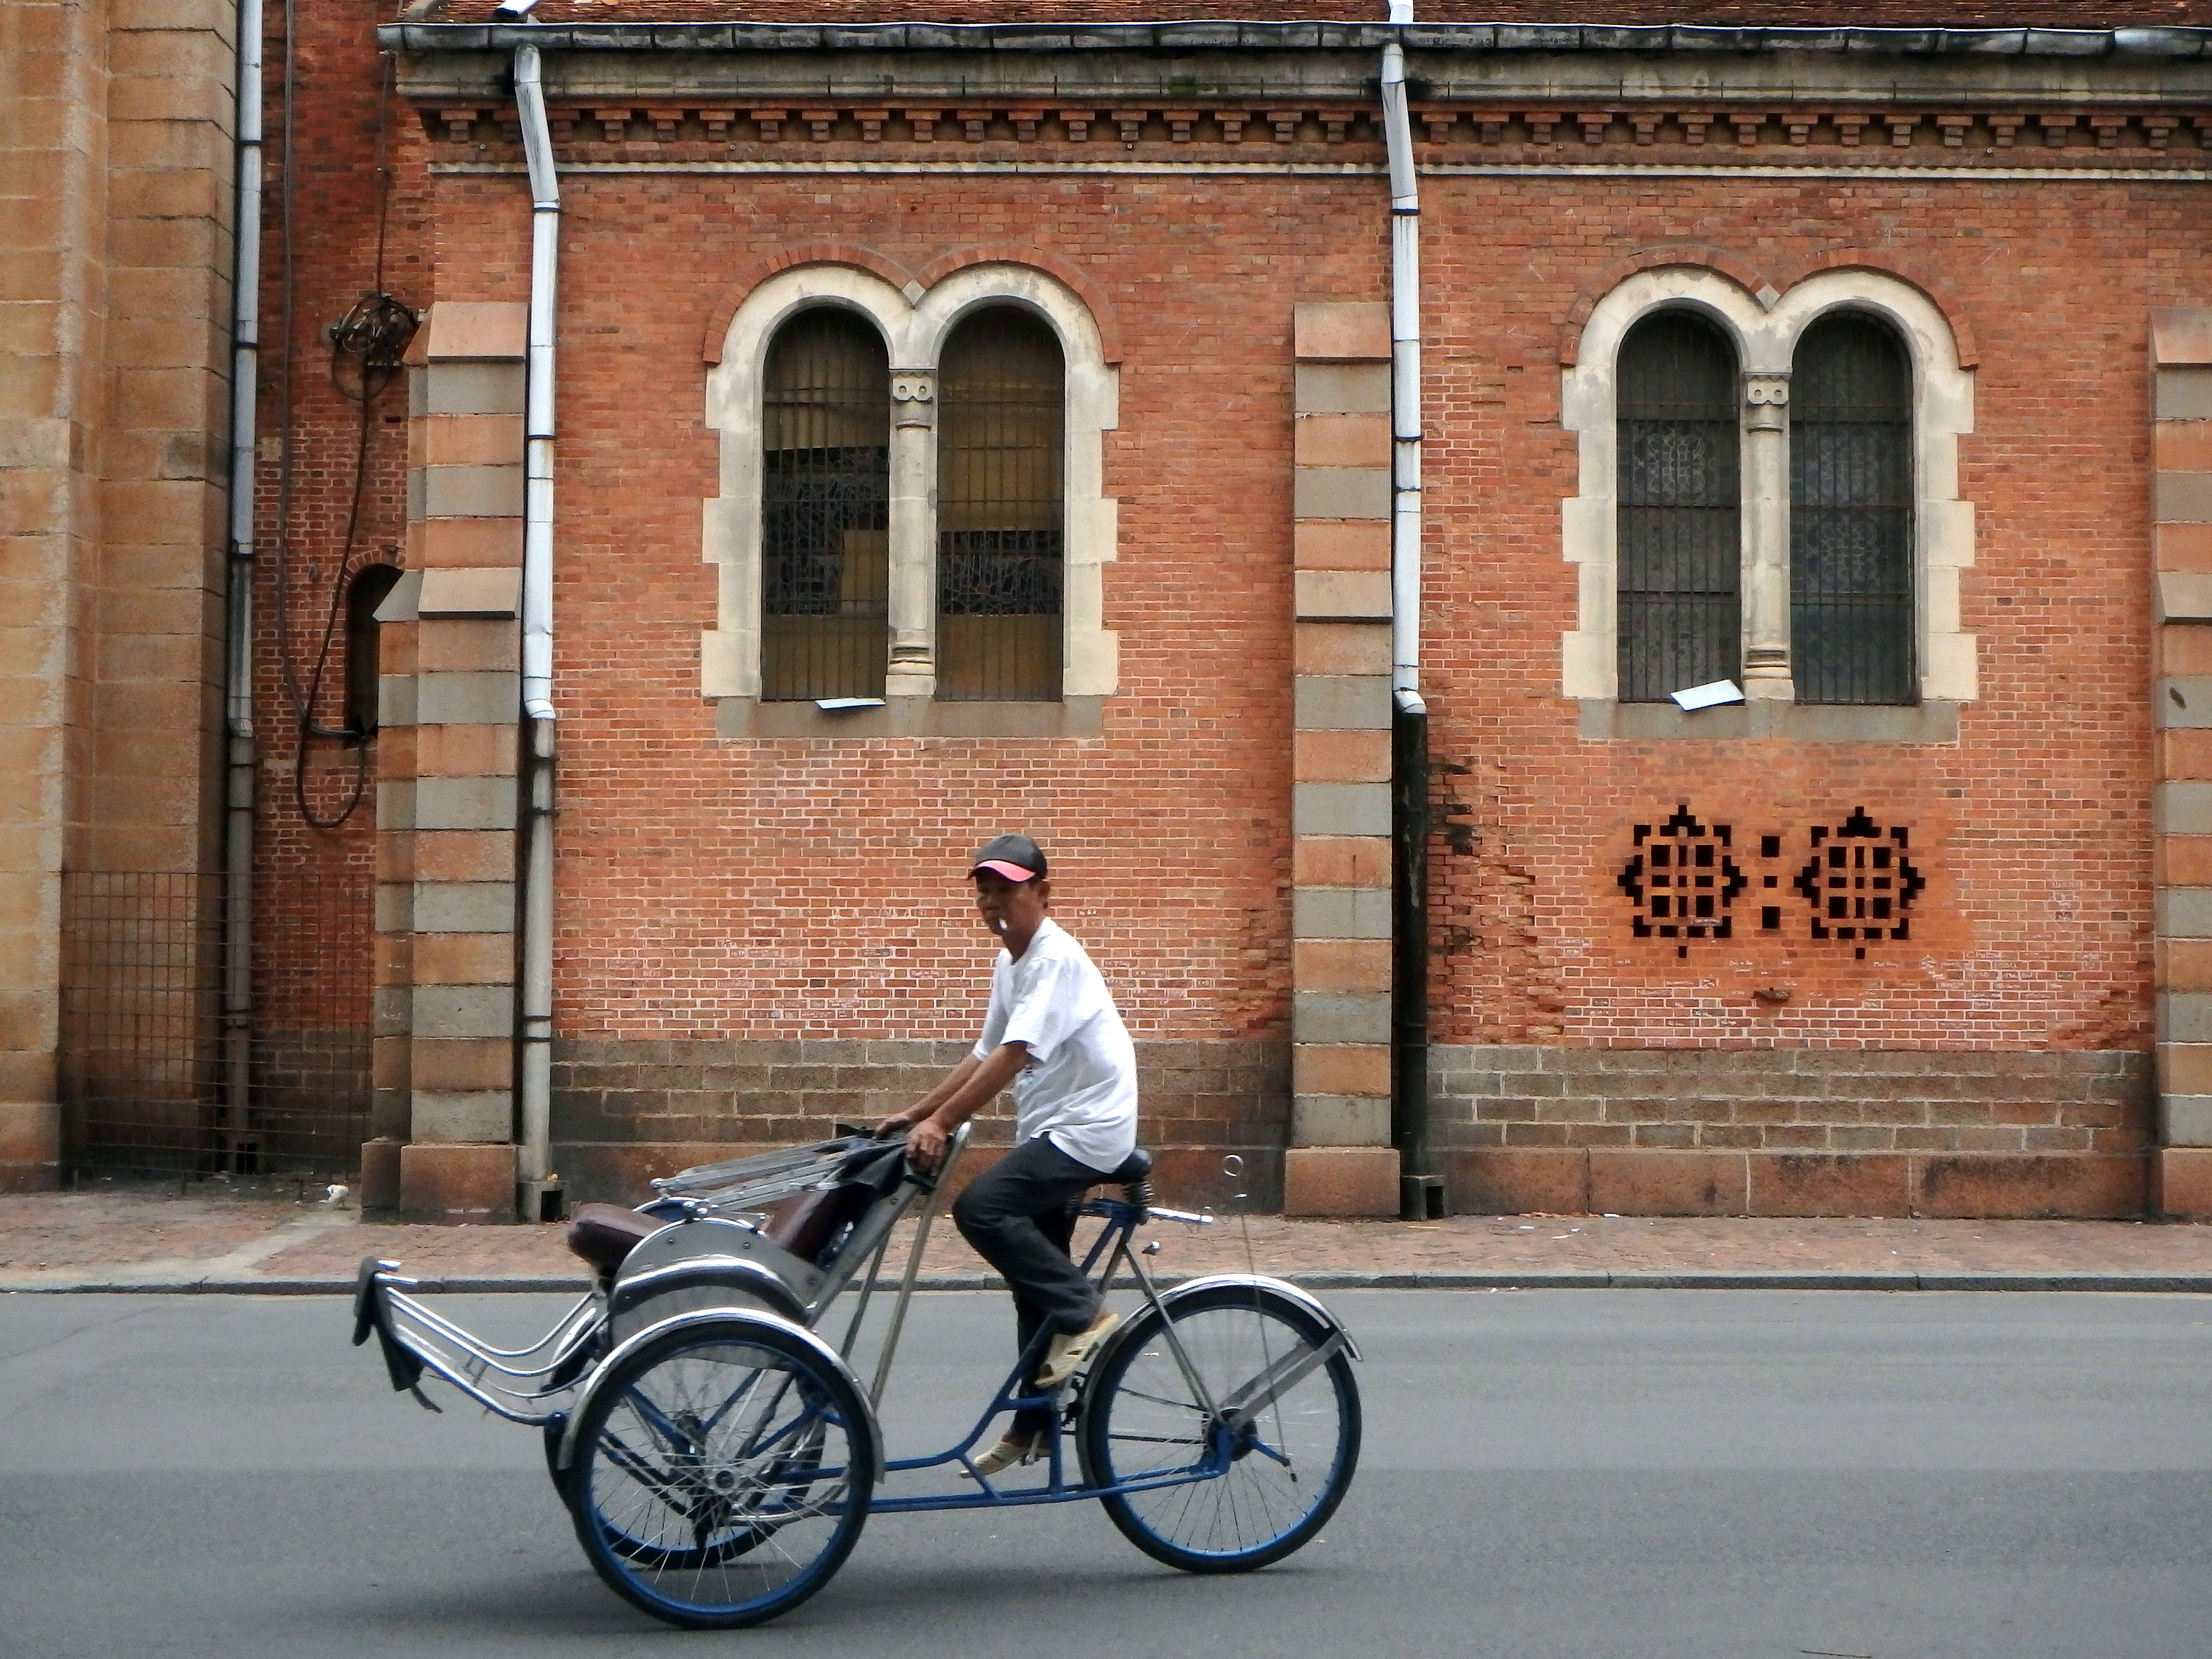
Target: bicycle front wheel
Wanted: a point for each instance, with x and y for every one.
(1237, 1489)
(722, 1474)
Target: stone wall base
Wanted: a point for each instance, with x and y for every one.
(1791, 1100)
(1595, 1180)
(1340, 1180)
(456, 1183)
(30, 1146)
(625, 1111)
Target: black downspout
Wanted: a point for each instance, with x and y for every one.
(1421, 1189)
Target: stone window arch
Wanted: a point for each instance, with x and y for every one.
(1937, 527)
(915, 325)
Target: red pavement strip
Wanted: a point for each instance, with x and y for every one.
(278, 1242)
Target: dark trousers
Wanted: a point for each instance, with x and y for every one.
(1020, 1215)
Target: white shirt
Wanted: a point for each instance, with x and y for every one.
(1080, 1084)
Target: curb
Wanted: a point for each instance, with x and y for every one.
(2189, 1284)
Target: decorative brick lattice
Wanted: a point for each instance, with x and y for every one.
(1859, 884)
(1682, 881)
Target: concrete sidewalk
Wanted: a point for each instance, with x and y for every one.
(157, 1240)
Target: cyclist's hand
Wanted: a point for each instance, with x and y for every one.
(925, 1145)
(897, 1123)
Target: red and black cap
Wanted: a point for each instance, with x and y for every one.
(1017, 858)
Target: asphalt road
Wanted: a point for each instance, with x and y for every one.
(1586, 1474)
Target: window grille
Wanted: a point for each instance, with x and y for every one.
(825, 510)
(1000, 414)
(1850, 515)
(371, 586)
(1680, 535)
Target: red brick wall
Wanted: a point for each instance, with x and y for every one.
(312, 886)
(684, 911)
(2032, 831)
(680, 917)
(782, 890)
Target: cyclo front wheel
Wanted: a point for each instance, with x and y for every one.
(722, 1473)
(1236, 1491)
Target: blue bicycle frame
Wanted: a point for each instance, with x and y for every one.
(1112, 1243)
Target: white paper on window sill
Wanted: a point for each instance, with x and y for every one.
(1707, 696)
(839, 705)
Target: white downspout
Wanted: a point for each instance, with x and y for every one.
(238, 642)
(535, 1068)
(1405, 377)
(1421, 1193)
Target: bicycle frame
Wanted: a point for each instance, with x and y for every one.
(1012, 1395)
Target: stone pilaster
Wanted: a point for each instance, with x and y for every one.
(912, 670)
(2181, 691)
(1766, 464)
(448, 897)
(1340, 1161)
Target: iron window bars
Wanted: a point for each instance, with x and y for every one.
(1850, 515)
(1000, 548)
(825, 510)
(1680, 505)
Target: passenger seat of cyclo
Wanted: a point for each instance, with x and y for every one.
(807, 1224)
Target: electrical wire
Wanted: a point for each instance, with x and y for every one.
(372, 337)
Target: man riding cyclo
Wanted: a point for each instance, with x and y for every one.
(1052, 1030)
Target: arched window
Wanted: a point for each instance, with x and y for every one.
(825, 502)
(1850, 513)
(999, 551)
(371, 586)
(1681, 511)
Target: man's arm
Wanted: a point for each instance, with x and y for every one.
(930, 1121)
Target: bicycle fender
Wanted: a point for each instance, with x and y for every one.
(695, 1271)
(1306, 1300)
(740, 1322)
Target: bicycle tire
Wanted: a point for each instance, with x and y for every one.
(1256, 1508)
(722, 1474)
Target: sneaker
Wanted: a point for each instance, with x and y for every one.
(1013, 1448)
(1070, 1352)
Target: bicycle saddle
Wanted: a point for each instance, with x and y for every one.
(1131, 1170)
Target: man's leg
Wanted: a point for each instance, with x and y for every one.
(1016, 1215)
(1059, 1228)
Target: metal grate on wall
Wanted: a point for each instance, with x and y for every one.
(152, 1084)
(1680, 562)
(825, 510)
(1000, 552)
(1850, 515)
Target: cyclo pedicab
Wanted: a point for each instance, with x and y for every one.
(719, 1455)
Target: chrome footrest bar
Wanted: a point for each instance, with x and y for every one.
(414, 1339)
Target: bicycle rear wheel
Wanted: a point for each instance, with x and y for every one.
(1245, 1492)
(722, 1473)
